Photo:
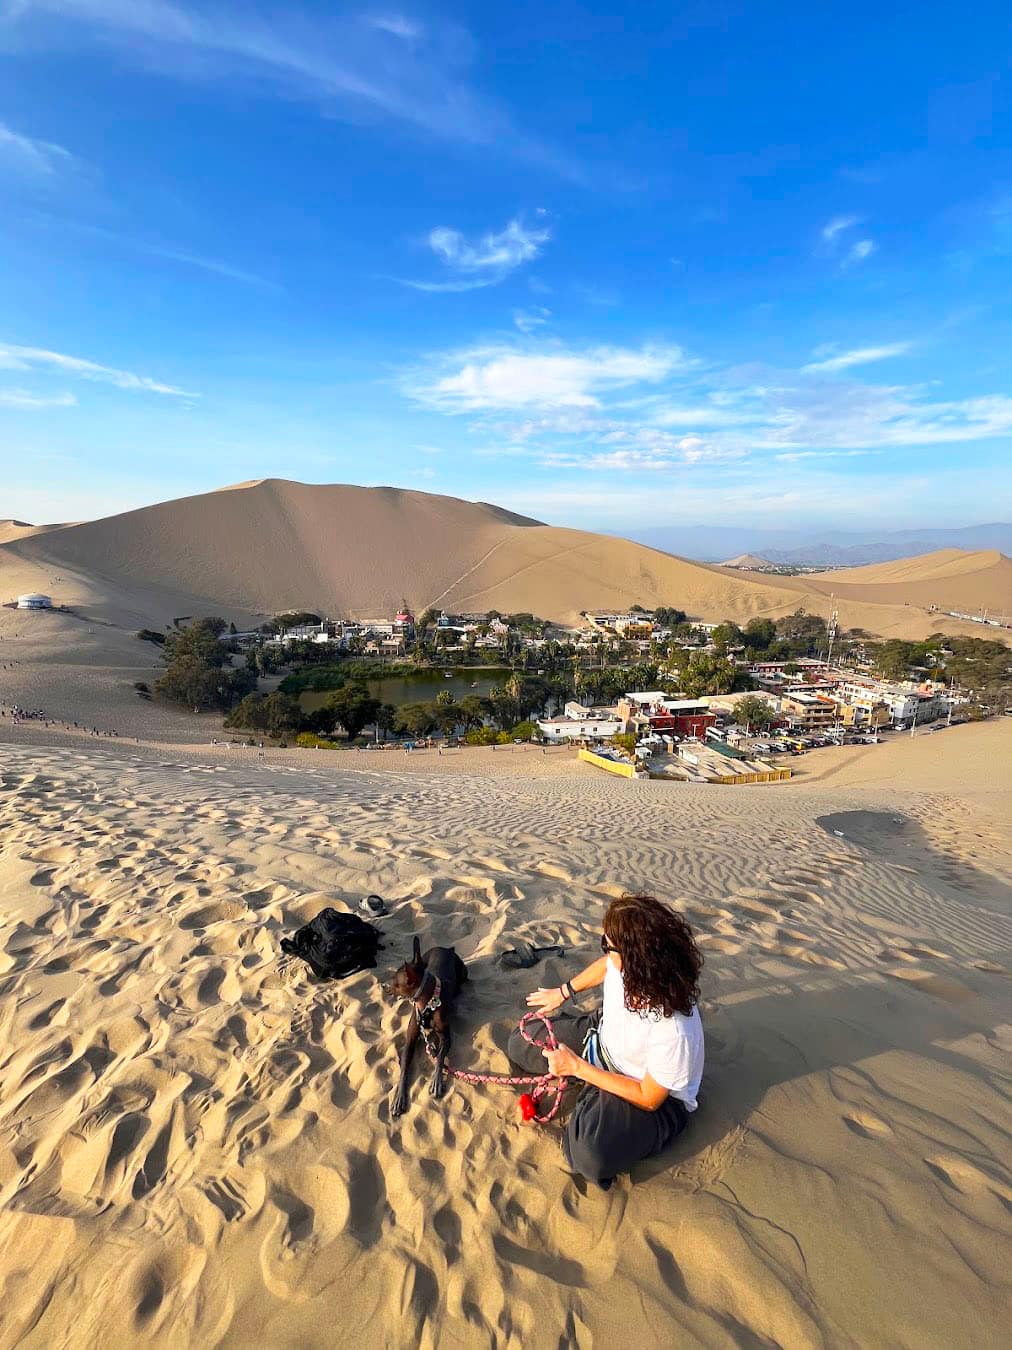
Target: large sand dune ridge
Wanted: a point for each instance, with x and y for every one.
(270, 544)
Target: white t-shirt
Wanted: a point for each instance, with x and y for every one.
(669, 1049)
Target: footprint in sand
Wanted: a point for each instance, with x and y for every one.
(553, 870)
(220, 911)
(719, 944)
(967, 1178)
(612, 892)
(299, 1229)
(788, 893)
(58, 853)
(810, 958)
(947, 990)
(174, 1273)
(238, 1194)
(493, 864)
(867, 1125)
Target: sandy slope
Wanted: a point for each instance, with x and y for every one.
(747, 560)
(899, 599)
(950, 579)
(270, 544)
(942, 564)
(195, 1145)
(11, 530)
(264, 546)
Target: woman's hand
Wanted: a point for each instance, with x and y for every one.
(546, 1000)
(563, 1062)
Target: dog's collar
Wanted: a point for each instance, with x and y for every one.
(433, 1003)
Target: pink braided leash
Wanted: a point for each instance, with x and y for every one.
(540, 1084)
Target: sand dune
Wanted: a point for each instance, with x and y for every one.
(950, 579)
(267, 545)
(748, 561)
(940, 565)
(11, 530)
(263, 546)
(195, 1142)
(255, 549)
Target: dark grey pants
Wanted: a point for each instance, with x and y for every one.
(604, 1135)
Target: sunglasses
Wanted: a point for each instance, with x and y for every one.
(606, 946)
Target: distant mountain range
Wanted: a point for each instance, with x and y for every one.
(827, 548)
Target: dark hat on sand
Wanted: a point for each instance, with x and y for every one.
(524, 955)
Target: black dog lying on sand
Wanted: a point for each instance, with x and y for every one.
(432, 982)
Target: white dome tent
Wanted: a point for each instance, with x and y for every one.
(34, 601)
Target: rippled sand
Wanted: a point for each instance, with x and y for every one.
(195, 1141)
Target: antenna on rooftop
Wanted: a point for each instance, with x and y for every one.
(831, 631)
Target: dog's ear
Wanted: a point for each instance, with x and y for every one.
(416, 953)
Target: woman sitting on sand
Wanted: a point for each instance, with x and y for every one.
(642, 1064)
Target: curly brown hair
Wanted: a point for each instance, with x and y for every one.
(660, 959)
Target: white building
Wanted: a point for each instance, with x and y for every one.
(589, 728)
(306, 632)
(903, 704)
(34, 601)
(606, 622)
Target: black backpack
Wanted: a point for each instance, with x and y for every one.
(334, 944)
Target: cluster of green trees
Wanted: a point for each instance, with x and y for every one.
(198, 670)
(351, 709)
(981, 665)
(797, 634)
(331, 675)
(512, 706)
(754, 712)
(667, 617)
(293, 618)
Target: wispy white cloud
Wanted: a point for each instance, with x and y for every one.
(397, 25)
(861, 356)
(837, 225)
(213, 265)
(835, 235)
(709, 414)
(25, 399)
(28, 153)
(36, 358)
(344, 62)
(623, 502)
(486, 262)
(864, 248)
(643, 449)
(597, 408)
(501, 378)
(154, 249)
(509, 248)
(529, 320)
(445, 287)
(793, 456)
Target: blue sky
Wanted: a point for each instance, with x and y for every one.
(615, 267)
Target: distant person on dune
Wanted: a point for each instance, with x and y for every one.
(642, 1058)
